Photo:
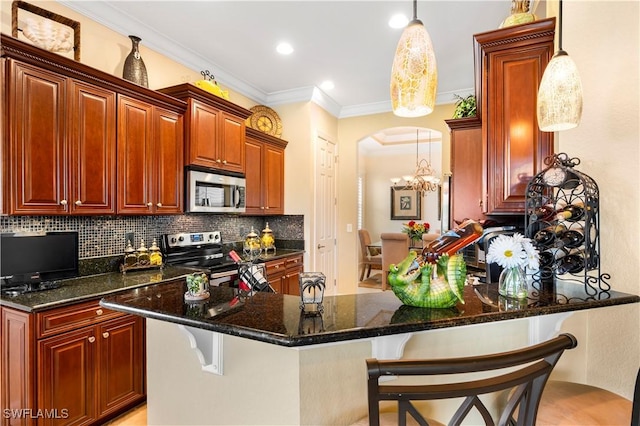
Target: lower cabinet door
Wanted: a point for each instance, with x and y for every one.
(67, 378)
(121, 363)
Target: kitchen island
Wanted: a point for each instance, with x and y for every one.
(261, 360)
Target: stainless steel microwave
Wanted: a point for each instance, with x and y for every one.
(213, 193)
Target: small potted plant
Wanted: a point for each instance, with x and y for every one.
(465, 107)
(197, 286)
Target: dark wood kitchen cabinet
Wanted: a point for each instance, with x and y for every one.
(509, 66)
(61, 126)
(215, 129)
(284, 274)
(85, 362)
(467, 169)
(150, 159)
(265, 174)
(61, 144)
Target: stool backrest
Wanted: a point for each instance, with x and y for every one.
(523, 371)
(635, 411)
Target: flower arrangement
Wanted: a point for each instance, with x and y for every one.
(415, 229)
(513, 251)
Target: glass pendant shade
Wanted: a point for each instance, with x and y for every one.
(414, 77)
(560, 95)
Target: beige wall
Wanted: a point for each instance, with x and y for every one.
(603, 39)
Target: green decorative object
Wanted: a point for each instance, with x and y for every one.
(438, 285)
(465, 107)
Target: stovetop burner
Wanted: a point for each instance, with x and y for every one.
(16, 290)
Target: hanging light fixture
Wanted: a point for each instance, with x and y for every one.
(424, 179)
(560, 92)
(414, 77)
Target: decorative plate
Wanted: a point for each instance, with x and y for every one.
(266, 120)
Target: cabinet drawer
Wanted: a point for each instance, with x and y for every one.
(275, 268)
(68, 318)
(293, 262)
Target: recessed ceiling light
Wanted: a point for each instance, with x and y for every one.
(398, 21)
(327, 85)
(284, 48)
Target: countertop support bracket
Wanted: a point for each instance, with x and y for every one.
(208, 347)
(545, 327)
(389, 347)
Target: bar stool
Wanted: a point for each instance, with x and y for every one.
(521, 374)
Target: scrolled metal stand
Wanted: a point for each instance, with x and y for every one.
(577, 187)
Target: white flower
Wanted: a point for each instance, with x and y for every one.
(512, 251)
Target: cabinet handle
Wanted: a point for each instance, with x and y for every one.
(105, 334)
(159, 204)
(218, 161)
(149, 204)
(99, 312)
(276, 267)
(262, 208)
(78, 203)
(224, 161)
(320, 246)
(63, 202)
(266, 208)
(480, 202)
(92, 339)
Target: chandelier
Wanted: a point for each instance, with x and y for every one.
(424, 179)
(414, 76)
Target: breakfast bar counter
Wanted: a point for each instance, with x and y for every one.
(260, 360)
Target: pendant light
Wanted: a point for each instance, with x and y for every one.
(560, 92)
(414, 77)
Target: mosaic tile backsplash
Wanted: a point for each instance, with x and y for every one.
(106, 235)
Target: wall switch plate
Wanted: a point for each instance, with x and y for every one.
(129, 236)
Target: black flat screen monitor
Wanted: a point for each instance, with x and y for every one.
(26, 258)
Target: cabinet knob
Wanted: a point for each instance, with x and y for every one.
(149, 204)
(480, 202)
(63, 202)
(262, 208)
(105, 334)
(266, 208)
(224, 161)
(218, 161)
(276, 267)
(159, 204)
(78, 203)
(92, 339)
(99, 312)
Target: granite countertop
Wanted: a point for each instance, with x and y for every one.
(279, 254)
(91, 287)
(277, 319)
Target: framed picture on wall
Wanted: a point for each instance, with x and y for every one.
(406, 204)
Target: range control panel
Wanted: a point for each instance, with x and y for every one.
(194, 239)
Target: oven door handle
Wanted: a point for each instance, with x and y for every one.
(223, 274)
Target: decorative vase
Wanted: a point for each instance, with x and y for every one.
(134, 69)
(513, 283)
(520, 14)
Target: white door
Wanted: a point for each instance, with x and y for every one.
(326, 211)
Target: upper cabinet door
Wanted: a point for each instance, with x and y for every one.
(232, 143)
(511, 62)
(273, 180)
(135, 121)
(92, 141)
(203, 149)
(168, 171)
(37, 144)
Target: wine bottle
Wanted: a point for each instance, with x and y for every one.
(571, 238)
(453, 241)
(572, 212)
(250, 274)
(572, 264)
(545, 237)
(548, 257)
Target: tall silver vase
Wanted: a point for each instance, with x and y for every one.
(134, 69)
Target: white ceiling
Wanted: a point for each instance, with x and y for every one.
(348, 42)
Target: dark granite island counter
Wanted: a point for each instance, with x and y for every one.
(297, 369)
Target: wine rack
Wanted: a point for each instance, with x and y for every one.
(561, 217)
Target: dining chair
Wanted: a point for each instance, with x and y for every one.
(568, 403)
(395, 247)
(520, 374)
(367, 258)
